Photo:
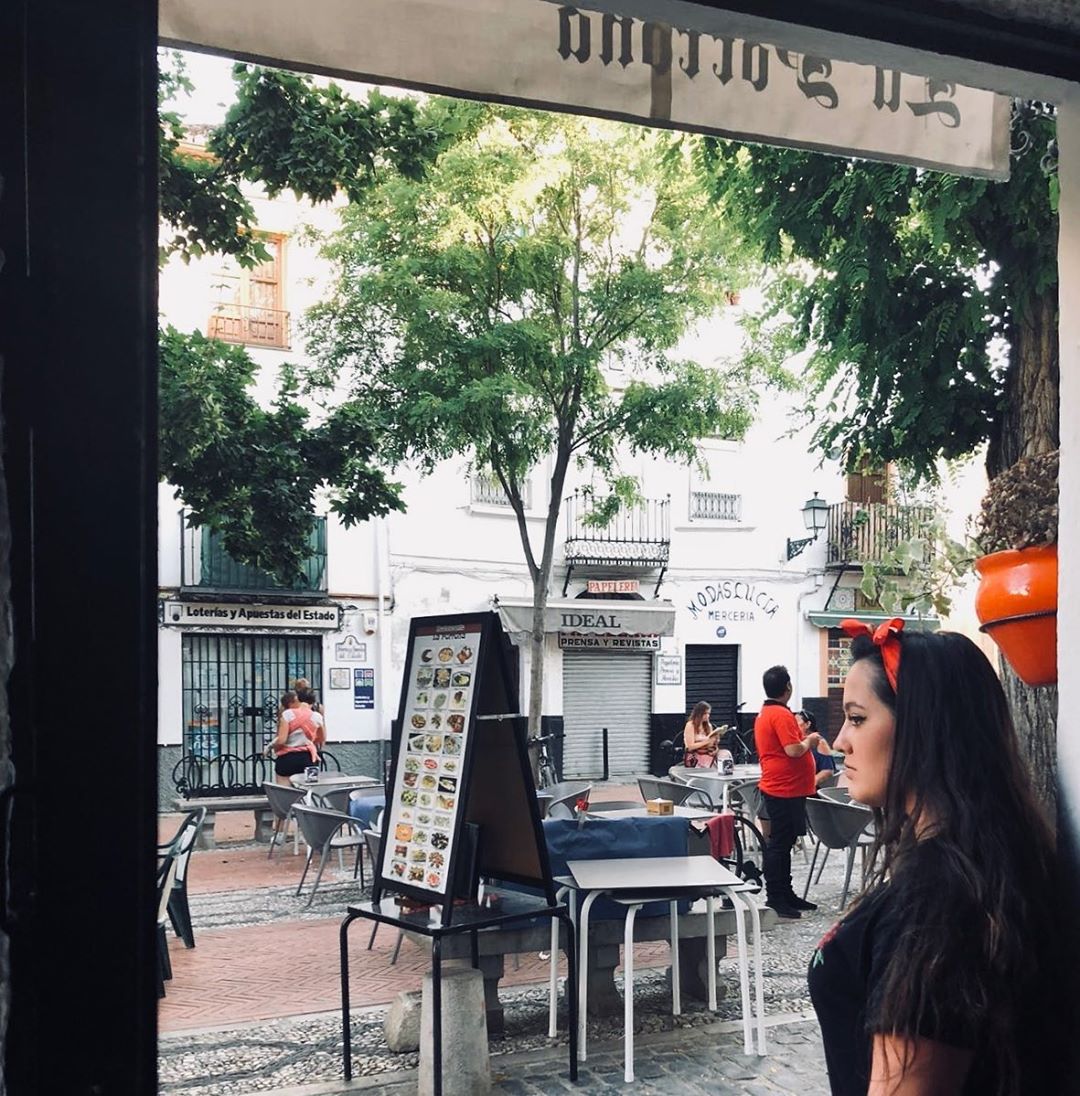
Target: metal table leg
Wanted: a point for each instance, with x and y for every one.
(571, 996)
(710, 948)
(628, 993)
(583, 973)
(436, 1013)
(676, 974)
(744, 977)
(346, 1033)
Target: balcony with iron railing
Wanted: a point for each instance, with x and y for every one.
(206, 567)
(486, 490)
(715, 506)
(637, 536)
(250, 325)
(864, 532)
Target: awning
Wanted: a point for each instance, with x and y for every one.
(593, 616)
(537, 53)
(832, 620)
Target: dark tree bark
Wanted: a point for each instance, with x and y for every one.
(1027, 426)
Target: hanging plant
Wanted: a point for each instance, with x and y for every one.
(1017, 598)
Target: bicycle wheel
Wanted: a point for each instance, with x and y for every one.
(548, 776)
(748, 857)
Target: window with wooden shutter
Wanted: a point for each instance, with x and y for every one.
(249, 301)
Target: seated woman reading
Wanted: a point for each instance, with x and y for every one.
(700, 739)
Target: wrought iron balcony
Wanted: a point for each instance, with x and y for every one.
(863, 532)
(638, 537)
(250, 325)
(206, 567)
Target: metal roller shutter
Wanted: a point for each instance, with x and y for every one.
(712, 675)
(610, 689)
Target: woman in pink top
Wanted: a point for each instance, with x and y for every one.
(300, 732)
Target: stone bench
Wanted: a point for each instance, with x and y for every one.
(214, 804)
(605, 940)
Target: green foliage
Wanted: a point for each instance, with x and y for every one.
(1020, 508)
(287, 133)
(253, 474)
(919, 575)
(904, 283)
(475, 310)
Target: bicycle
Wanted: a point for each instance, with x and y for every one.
(546, 773)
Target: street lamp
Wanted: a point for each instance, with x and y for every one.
(815, 514)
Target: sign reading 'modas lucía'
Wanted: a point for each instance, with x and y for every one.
(732, 601)
(540, 53)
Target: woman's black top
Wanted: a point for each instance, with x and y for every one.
(848, 967)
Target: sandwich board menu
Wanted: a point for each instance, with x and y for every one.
(457, 701)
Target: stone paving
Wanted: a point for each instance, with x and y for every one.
(296, 1044)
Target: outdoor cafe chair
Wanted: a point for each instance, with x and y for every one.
(562, 798)
(837, 826)
(166, 874)
(837, 795)
(321, 829)
(681, 795)
(181, 847)
(282, 799)
(748, 794)
(373, 841)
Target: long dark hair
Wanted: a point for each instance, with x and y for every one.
(971, 931)
(700, 712)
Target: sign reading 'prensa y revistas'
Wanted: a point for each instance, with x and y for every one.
(562, 56)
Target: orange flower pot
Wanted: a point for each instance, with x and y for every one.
(1016, 604)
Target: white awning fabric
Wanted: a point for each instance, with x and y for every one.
(592, 616)
(538, 53)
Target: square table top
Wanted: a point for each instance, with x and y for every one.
(642, 812)
(652, 873)
(331, 780)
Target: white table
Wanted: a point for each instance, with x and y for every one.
(723, 780)
(636, 882)
(331, 780)
(642, 812)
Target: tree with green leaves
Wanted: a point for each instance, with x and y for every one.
(251, 474)
(474, 311)
(929, 305)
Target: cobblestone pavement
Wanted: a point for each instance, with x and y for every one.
(296, 1046)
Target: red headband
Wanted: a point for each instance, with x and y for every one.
(887, 638)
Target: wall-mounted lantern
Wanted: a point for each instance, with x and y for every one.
(815, 514)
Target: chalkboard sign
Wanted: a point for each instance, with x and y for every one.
(460, 798)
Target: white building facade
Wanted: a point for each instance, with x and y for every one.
(689, 597)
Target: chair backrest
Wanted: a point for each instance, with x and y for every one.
(367, 791)
(318, 825)
(836, 825)
(679, 794)
(566, 804)
(282, 798)
(837, 795)
(334, 799)
(373, 841)
(747, 793)
(166, 876)
(828, 782)
(183, 841)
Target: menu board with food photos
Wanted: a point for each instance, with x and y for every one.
(424, 804)
(456, 675)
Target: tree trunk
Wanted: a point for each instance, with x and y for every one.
(536, 657)
(1027, 426)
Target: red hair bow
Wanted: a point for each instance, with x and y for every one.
(887, 637)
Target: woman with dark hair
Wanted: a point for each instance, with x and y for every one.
(943, 968)
(824, 762)
(700, 741)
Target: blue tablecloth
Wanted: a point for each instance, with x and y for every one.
(366, 808)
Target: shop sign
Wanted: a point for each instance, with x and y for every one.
(576, 641)
(668, 669)
(350, 649)
(613, 586)
(732, 601)
(363, 688)
(211, 615)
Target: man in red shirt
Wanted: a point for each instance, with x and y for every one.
(787, 778)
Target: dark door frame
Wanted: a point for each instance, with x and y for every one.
(78, 235)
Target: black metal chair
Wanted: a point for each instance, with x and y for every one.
(166, 874)
(373, 841)
(682, 795)
(180, 848)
